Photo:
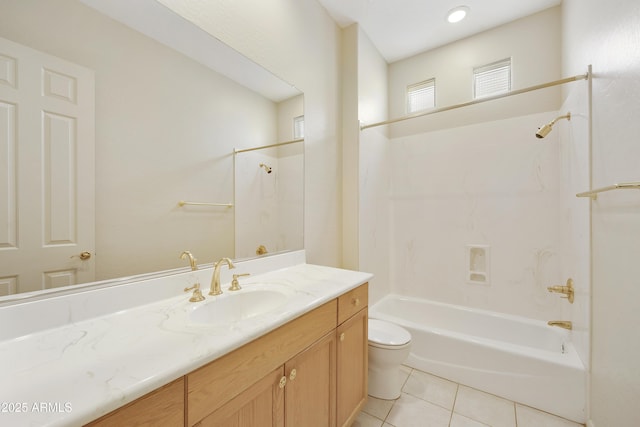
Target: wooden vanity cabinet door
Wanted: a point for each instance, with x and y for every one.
(352, 367)
(217, 383)
(161, 407)
(261, 405)
(310, 393)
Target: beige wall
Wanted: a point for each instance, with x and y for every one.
(350, 147)
(374, 169)
(531, 42)
(605, 34)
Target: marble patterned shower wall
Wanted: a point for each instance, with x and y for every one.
(492, 184)
(374, 211)
(575, 215)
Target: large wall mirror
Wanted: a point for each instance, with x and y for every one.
(170, 108)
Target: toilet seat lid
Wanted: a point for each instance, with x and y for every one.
(385, 333)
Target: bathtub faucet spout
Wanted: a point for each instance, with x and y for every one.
(561, 323)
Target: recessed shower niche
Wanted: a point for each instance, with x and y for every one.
(478, 264)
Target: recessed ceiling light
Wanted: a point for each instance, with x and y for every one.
(457, 14)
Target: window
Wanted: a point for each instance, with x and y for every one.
(421, 96)
(492, 79)
(298, 127)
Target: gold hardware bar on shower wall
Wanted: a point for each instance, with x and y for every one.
(244, 150)
(480, 101)
(622, 186)
(226, 205)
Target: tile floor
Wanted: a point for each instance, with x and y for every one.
(430, 401)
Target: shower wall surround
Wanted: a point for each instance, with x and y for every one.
(575, 214)
(490, 184)
(374, 236)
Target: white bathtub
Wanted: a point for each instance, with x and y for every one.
(520, 359)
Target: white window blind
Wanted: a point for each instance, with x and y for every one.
(421, 96)
(492, 79)
(298, 127)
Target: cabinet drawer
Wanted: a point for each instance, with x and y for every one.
(352, 302)
(211, 386)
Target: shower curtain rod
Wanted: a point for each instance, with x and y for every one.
(480, 101)
(244, 150)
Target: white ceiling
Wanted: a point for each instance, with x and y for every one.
(403, 28)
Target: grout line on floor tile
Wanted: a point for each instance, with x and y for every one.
(455, 398)
(540, 410)
(411, 370)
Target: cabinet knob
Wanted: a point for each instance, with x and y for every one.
(292, 375)
(356, 301)
(283, 382)
(342, 336)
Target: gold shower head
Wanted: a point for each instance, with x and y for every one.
(545, 129)
(266, 168)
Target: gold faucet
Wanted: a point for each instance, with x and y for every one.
(215, 279)
(192, 260)
(235, 285)
(561, 323)
(197, 294)
(566, 290)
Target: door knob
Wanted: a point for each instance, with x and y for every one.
(83, 255)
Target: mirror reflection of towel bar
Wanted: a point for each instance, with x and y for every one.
(622, 186)
(226, 205)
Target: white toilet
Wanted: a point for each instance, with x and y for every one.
(389, 347)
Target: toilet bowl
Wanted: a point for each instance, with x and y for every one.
(389, 347)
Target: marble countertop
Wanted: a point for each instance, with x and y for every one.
(77, 372)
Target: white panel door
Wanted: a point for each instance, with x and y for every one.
(47, 162)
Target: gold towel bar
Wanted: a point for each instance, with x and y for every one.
(622, 186)
(226, 205)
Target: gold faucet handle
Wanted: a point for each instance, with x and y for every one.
(197, 293)
(235, 285)
(567, 290)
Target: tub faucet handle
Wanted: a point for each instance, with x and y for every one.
(567, 290)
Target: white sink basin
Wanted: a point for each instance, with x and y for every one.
(241, 305)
